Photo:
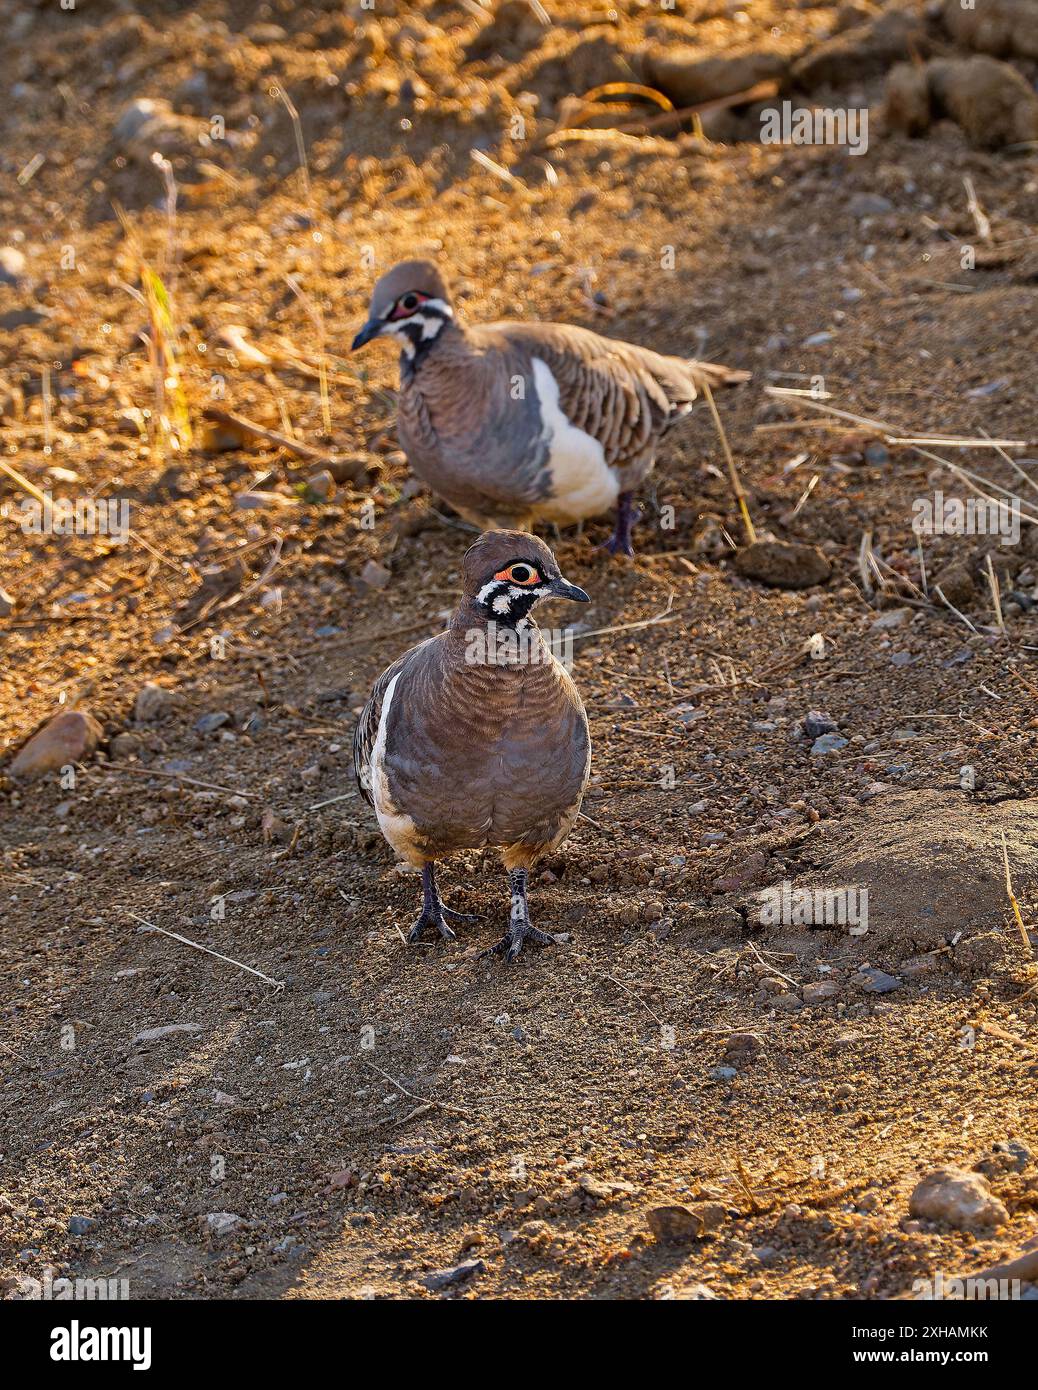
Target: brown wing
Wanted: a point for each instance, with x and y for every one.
(622, 395)
(366, 732)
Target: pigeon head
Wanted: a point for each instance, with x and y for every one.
(507, 572)
(411, 303)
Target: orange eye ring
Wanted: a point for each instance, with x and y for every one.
(521, 574)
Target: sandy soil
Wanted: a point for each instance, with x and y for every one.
(368, 1115)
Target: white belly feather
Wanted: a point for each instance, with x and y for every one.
(396, 826)
(582, 483)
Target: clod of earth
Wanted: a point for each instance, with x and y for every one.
(954, 1197)
(68, 738)
(783, 564)
(990, 100)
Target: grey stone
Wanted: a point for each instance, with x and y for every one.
(444, 1278)
(829, 743)
(953, 1197)
(209, 723)
(874, 981)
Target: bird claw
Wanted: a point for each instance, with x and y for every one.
(511, 944)
(428, 920)
(618, 545)
(460, 916)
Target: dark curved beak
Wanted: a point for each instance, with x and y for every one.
(562, 588)
(371, 329)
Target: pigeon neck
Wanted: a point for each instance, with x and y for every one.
(471, 617)
(450, 342)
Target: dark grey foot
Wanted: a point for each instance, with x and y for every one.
(426, 920)
(620, 543)
(433, 912)
(520, 929)
(509, 946)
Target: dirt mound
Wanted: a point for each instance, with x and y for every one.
(319, 1110)
(932, 864)
(990, 100)
(1004, 28)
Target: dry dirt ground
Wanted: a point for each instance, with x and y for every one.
(383, 1113)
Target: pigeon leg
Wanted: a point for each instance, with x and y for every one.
(433, 912)
(619, 543)
(520, 928)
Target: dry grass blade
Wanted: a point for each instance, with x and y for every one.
(890, 435)
(240, 422)
(980, 217)
(277, 984)
(498, 170)
(763, 91)
(426, 1100)
(1017, 916)
(35, 492)
(733, 473)
(996, 594)
(615, 137)
(667, 616)
(171, 421)
(949, 605)
(592, 104)
(864, 568)
(312, 309)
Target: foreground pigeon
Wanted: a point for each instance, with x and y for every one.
(514, 423)
(477, 737)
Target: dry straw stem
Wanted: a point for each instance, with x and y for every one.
(997, 445)
(890, 436)
(294, 446)
(949, 605)
(642, 143)
(440, 1104)
(669, 116)
(1012, 897)
(175, 777)
(278, 984)
(592, 104)
(980, 217)
(317, 318)
(996, 596)
(744, 1182)
(498, 170)
(171, 420)
(733, 474)
(665, 617)
(636, 997)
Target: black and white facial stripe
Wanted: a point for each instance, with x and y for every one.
(416, 321)
(512, 592)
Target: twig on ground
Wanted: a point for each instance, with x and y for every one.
(1012, 898)
(278, 984)
(996, 597)
(733, 474)
(637, 998)
(424, 1100)
(744, 1182)
(294, 446)
(665, 617)
(962, 616)
(177, 777)
(318, 805)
